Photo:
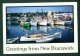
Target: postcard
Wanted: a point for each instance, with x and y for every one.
(32, 28)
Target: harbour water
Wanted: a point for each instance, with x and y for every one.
(67, 32)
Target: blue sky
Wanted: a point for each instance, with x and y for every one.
(45, 9)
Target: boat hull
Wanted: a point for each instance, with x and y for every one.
(44, 40)
(33, 23)
(50, 23)
(39, 38)
(60, 23)
(26, 24)
(42, 22)
(68, 22)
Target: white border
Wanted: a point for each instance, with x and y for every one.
(75, 44)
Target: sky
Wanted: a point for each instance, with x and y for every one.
(45, 9)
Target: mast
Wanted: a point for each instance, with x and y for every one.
(57, 14)
(38, 12)
(68, 13)
(64, 13)
(42, 13)
(25, 14)
(41, 10)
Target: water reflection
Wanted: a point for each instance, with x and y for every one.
(67, 33)
(42, 28)
(25, 28)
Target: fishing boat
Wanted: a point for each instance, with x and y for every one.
(68, 18)
(63, 22)
(40, 37)
(30, 37)
(33, 23)
(12, 40)
(49, 22)
(25, 23)
(42, 22)
(50, 18)
(59, 23)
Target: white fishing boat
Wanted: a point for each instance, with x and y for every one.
(40, 37)
(23, 38)
(60, 23)
(50, 22)
(29, 37)
(63, 22)
(33, 23)
(12, 40)
(42, 22)
(50, 18)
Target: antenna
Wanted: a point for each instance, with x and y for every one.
(57, 14)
